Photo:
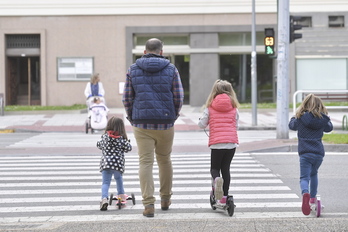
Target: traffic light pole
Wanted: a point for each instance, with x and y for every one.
(283, 70)
(253, 69)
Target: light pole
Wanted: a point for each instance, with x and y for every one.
(253, 69)
(283, 70)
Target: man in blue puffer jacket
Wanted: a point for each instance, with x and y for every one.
(153, 97)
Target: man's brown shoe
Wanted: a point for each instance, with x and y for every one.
(149, 211)
(165, 204)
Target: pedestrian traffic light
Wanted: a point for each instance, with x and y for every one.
(269, 41)
(295, 25)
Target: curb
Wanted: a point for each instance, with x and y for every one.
(5, 131)
(35, 112)
(294, 148)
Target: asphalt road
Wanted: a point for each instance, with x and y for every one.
(257, 210)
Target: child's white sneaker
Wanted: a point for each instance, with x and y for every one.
(104, 204)
(218, 192)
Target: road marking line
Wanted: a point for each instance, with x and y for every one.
(67, 208)
(158, 216)
(129, 183)
(155, 171)
(82, 166)
(129, 155)
(127, 177)
(175, 189)
(96, 198)
(293, 153)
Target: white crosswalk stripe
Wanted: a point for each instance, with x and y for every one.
(67, 188)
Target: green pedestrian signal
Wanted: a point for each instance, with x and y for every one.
(269, 50)
(269, 41)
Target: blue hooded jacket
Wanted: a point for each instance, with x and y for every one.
(310, 130)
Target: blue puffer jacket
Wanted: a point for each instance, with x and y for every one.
(152, 80)
(310, 132)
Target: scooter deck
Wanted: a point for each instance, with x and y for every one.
(229, 206)
(121, 203)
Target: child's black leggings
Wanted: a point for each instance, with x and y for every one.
(220, 160)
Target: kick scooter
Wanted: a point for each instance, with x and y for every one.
(229, 206)
(317, 207)
(119, 203)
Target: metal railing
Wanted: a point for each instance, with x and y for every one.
(2, 104)
(294, 98)
(345, 122)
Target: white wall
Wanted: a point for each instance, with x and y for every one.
(146, 7)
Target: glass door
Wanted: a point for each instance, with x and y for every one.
(182, 62)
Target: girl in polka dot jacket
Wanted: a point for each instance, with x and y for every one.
(114, 143)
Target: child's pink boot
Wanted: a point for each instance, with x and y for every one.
(306, 209)
(223, 200)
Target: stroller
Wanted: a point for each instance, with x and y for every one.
(97, 116)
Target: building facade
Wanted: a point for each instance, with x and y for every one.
(50, 50)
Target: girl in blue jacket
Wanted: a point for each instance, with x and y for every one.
(310, 122)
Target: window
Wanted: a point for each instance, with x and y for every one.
(23, 41)
(167, 40)
(314, 73)
(336, 21)
(240, 39)
(306, 21)
(74, 68)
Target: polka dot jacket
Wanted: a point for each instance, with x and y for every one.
(113, 148)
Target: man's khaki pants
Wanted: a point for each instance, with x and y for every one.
(152, 142)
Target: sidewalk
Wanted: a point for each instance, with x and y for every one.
(257, 139)
(224, 223)
(74, 121)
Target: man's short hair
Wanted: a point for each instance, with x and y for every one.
(154, 45)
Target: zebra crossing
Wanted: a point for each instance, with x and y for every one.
(67, 188)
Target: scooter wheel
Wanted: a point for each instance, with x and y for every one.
(133, 198)
(86, 127)
(212, 202)
(230, 209)
(231, 206)
(318, 211)
(111, 198)
(119, 203)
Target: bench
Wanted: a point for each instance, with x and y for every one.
(325, 95)
(329, 97)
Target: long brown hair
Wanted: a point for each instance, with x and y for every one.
(219, 87)
(312, 104)
(116, 124)
(95, 78)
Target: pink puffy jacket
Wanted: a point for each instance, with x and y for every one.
(222, 121)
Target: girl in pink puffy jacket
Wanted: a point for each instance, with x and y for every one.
(221, 114)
